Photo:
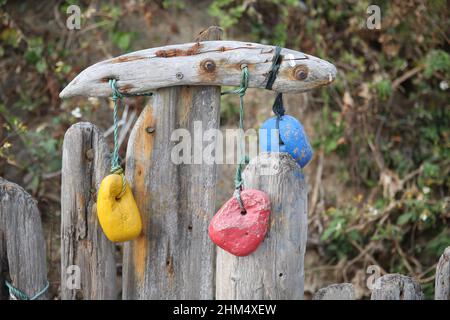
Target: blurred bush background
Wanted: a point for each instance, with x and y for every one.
(379, 181)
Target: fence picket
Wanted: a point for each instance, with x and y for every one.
(83, 244)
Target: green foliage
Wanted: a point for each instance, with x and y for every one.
(437, 61)
(231, 12)
(386, 116)
(174, 4)
(408, 125)
(227, 13)
(383, 88)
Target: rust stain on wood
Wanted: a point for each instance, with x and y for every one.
(143, 152)
(126, 59)
(126, 88)
(186, 104)
(169, 267)
(170, 53)
(238, 66)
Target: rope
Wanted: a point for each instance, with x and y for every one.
(276, 63)
(243, 159)
(279, 111)
(17, 294)
(115, 160)
(277, 107)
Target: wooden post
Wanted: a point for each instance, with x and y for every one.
(442, 285)
(396, 287)
(340, 291)
(276, 269)
(22, 237)
(173, 258)
(3, 266)
(83, 244)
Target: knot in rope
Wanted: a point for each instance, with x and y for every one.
(116, 93)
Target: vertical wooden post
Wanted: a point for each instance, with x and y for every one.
(23, 238)
(442, 285)
(276, 269)
(396, 287)
(83, 244)
(3, 266)
(173, 258)
(339, 291)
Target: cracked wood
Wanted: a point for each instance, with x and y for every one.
(276, 269)
(176, 65)
(85, 162)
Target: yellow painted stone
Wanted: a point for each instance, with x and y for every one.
(119, 217)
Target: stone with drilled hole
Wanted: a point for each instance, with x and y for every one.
(240, 233)
(293, 139)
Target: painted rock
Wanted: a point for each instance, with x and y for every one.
(293, 137)
(119, 218)
(240, 233)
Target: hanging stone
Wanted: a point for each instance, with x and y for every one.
(293, 139)
(241, 232)
(118, 213)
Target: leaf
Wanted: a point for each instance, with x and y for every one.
(404, 218)
(122, 40)
(41, 66)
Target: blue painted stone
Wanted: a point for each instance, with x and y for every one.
(293, 136)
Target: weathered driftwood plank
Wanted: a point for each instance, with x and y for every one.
(276, 269)
(442, 284)
(339, 291)
(83, 244)
(201, 63)
(396, 287)
(173, 258)
(23, 238)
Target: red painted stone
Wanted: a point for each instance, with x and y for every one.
(241, 234)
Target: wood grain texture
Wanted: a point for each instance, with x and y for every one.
(396, 287)
(3, 266)
(276, 269)
(442, 281)
(22, 236)
(85, 161)
(214, 63)
(173, 258)
(339, 291)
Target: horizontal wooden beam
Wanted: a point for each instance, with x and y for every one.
(215, 63)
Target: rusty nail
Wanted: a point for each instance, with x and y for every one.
(150, 129)
(302, 75)
(90, 154)
(301, 72)
(209, 65)
(179, 75)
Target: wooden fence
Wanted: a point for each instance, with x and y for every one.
(258, 276)
(173, 258)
